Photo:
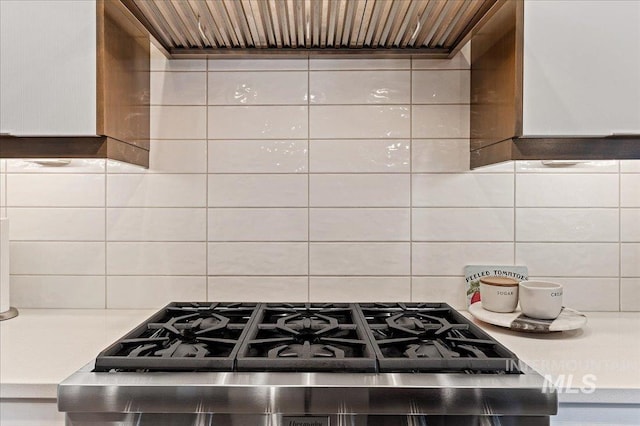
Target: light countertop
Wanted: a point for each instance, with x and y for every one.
(604, 353)
(41, 347)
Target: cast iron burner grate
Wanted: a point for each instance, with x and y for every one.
(431, 337)
(307, 337)
(183, 336)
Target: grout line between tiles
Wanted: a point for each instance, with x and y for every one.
(106, 188)
(515, 223)
(359, 241)
(619, 238)
(308, 179)
(206, 189)
(274, 172)
(411, 179)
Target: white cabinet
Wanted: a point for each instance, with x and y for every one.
(48, 68)
(581, 67)
(556, 80)
(74, 81)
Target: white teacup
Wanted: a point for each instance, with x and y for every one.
(541, 299)
(499, 294)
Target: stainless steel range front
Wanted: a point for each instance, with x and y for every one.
(306, 364)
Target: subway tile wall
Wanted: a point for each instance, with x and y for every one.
(320, 180)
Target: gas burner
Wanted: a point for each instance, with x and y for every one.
(430, 337)
(421, 324)
(307, 337)
(429, 349)
(306, 350)
(183, 336)
(302, 323)
(179, 349)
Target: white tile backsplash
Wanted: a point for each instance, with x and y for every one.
(258, 289)
(167, 156)
(630, 260)
(57, 258)
(630, 294)
(257, 122)
(363, 289)
(56, 224)
(178, 88)
(156, 224)
(58, 291)
(258, 88)
(144, 292)
(359, 87)
(448, 156)
(566, 190)
(462, 224)
(359, 224)
(569, 259)
(359, 190)
(360, 156)
(441, 87)
(258, 224)
(178, 122)
(156, 190)
(601, 166)
(258, 258)
(156, 258)
(630, 166)
(630, 225)
(446, 259)
(325, 179)
(630, 190)
(567, 224)
(359, 258)
(462, 190)
(55, 190)
(258, 156)
(3, 192)
(75, 165)
(270, 190)
(440, 155)
(440, 121)
(361, 121)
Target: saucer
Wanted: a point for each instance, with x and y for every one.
(569, 319)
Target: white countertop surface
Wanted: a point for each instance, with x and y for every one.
(606, 352)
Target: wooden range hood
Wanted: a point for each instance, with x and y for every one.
(498, 92)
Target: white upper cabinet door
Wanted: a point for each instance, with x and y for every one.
(581, 67)
(48, 67)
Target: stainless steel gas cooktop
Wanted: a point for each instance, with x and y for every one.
(299, 363)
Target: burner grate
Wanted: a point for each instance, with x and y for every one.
(182, 337)
(431, 337)
(307, 337)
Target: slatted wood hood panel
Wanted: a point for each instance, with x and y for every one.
(188, 28)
